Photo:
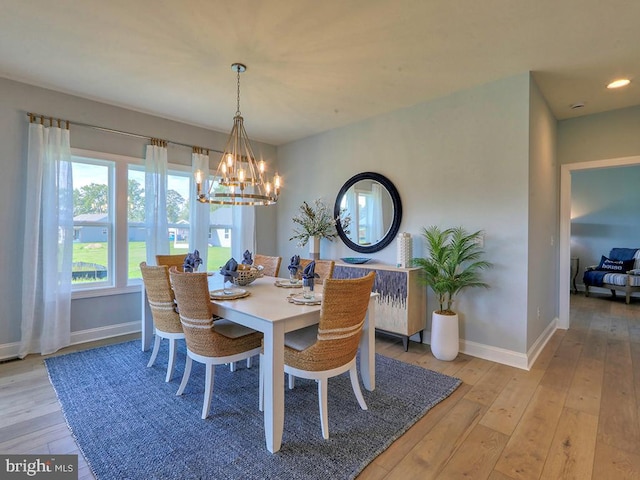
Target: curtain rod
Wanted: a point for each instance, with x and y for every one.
(118, 132)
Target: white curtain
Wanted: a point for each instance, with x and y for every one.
(198, 211)
(243, 233)
(376, 213)
(353, 211)
(155, 199)
(48, 242)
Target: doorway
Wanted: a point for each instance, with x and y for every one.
(565, 225)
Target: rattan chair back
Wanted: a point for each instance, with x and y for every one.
(161, 298)
(196, 316)
(324, 268)
(172, 260)
(342, 314)
(271, 264)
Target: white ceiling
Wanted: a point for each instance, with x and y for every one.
(314, 65)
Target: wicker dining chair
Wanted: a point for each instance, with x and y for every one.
(329, 349)
(271, 264)
(324, 268)
(172, 260)
(208, 342)
(165, 318)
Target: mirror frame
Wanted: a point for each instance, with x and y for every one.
(397, 212)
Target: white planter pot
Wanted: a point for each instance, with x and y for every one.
(314, 247)
(444, 336)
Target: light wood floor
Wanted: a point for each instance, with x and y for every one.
(573, 416)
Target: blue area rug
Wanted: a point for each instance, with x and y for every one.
(130, 424)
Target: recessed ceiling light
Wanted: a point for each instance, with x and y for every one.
(622, 82)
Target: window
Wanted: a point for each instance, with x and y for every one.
(109, 231)
(92, 222)
(178, 184)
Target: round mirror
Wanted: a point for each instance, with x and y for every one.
(373, 203)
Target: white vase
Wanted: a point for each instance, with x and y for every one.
(314, 247)
(444, 336)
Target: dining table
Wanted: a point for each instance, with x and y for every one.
(267, 309)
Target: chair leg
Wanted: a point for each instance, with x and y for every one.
(322, 402)
(353, 374)
(292, 381)
(261, 386)
(185, 376)
(172, 359)
(156, 347)
(232, 366)
(208, 390)
(249, 362)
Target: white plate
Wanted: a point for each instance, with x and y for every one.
(299, 298)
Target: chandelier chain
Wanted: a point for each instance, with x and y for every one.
(238, 94)
(240, 179)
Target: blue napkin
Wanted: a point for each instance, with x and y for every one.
(309, 271)
(246, 258)
(229, 270)
(192, 261)
(294, 266)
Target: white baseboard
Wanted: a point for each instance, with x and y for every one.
(541, 341)
(94, 334)
(502, 355)
(494, 354)
(11, 350)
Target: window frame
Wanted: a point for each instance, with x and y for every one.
(119, 242)
(107, 225)
(119, 248)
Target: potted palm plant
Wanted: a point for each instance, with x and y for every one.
(453, 264)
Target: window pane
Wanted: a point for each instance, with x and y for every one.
(135, 195)
(178, 198)
(92, 224)
(136, 233)
(220, 221)
(137, 251)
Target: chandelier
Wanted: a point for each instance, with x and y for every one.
(239, 179)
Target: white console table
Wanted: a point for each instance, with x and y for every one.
(401, 305)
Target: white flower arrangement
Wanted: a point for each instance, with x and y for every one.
(318, 221)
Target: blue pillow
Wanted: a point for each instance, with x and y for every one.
(618, 266)
(622, 253)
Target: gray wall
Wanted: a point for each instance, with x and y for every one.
(601, 136)
(602, 220)
(605, 212)
(542, 285)
(459, 160)
(15, 100)
(481, 158)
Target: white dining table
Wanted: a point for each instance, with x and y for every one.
(267, 310)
